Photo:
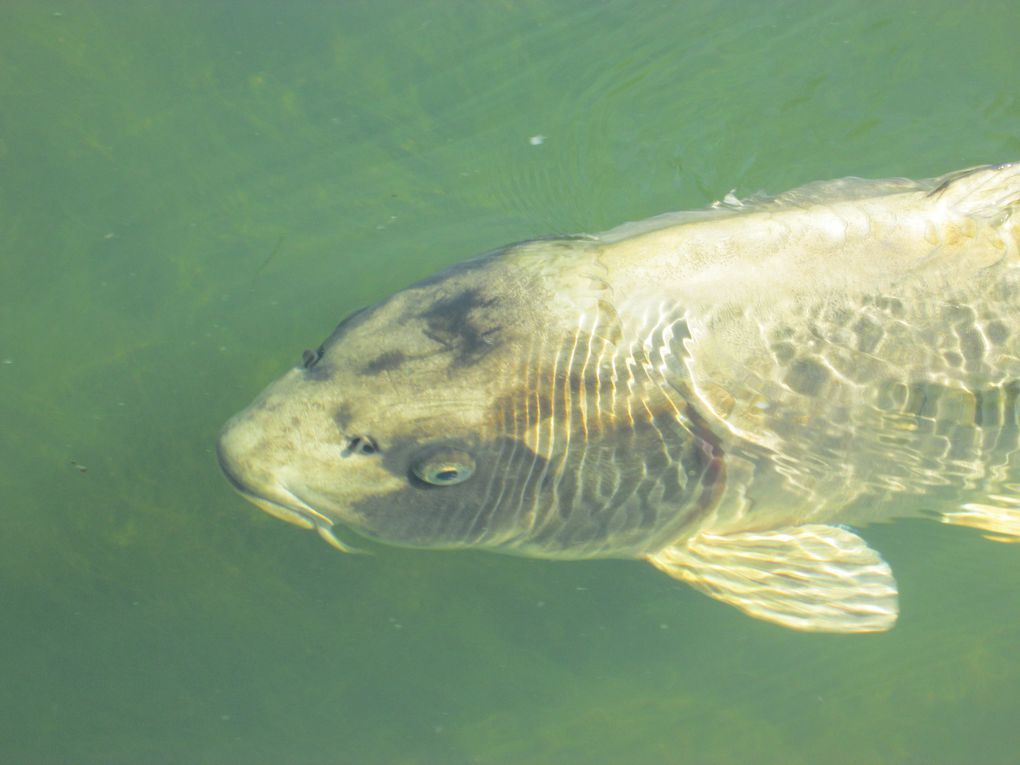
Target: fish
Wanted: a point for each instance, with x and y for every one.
(730, 394)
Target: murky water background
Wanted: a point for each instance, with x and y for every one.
(194, 192)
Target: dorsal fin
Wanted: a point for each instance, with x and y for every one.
(817, 192)
(985, 191)
(989, 191)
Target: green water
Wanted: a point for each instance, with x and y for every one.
(194, 192)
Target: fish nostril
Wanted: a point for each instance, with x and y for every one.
(359, 445)
(310, 358)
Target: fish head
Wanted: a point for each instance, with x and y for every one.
(400, 425)
(491, 406)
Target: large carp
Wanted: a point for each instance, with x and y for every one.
(724, 393)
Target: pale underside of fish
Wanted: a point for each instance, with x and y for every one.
(727, 393)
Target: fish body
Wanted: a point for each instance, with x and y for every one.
(719, 392)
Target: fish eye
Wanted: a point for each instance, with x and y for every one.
(360, 445)
(444, 467)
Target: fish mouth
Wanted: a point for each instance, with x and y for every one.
(293, 510)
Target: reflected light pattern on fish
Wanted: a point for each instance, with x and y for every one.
(728, 394)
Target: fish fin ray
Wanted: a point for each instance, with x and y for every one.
(999, 523)
(988, 191)
(814, 578)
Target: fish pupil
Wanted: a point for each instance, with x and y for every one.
(443, 467)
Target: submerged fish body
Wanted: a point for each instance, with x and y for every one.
(718, 392)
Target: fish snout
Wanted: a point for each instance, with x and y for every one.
(241, 454)
(227, 464)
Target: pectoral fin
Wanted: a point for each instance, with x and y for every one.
(814, 577)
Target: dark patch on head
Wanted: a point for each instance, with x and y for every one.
(456, 324)
(320, 372)
(466, 266)
(401, 453)
(310, 360)
(567, 241)
(626, 496)
(426, 515)
(342, 418)
(387, 362)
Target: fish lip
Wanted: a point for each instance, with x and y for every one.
(292, 510)
(228, 471)
(297, 513)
